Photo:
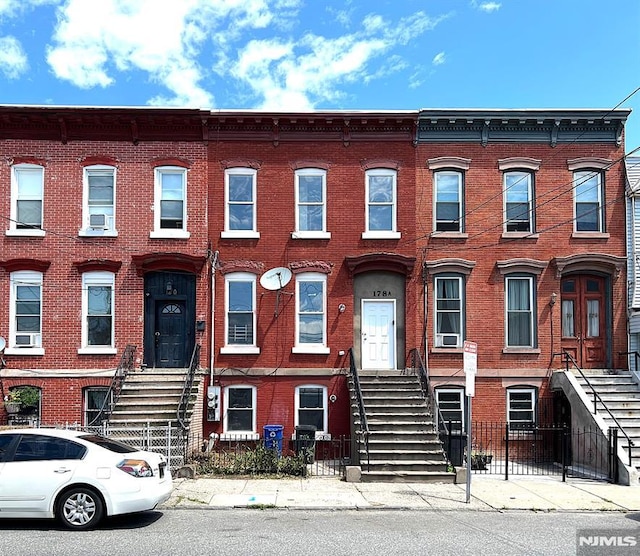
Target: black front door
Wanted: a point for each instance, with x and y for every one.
(169, 319)
(170, 334)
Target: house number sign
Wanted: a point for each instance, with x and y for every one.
(381, 293)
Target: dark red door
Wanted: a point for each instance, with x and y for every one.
(583, 320)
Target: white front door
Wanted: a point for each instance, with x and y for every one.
(378, 334)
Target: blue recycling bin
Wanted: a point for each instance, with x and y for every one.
(273, 437)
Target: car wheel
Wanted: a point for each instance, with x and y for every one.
(80, 508)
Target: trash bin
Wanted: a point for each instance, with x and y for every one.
(273, 437)
(305, 442)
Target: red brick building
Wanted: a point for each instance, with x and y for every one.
(281, 242)
(102, 209)
(521, 235)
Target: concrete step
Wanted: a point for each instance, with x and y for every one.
(396, 445)
(439, 465)
(404, 476)
(402, 455)
(398, 417)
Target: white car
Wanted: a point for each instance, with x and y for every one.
(77, 477)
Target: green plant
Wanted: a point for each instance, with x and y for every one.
(27, 396)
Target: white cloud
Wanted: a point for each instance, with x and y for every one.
(439, 59)
(486, 6)
(13, 60)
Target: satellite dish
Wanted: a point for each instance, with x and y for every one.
(276, 278)
(3, 343)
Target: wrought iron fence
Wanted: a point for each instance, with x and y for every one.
(501, 449)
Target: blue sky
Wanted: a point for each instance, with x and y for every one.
(314, 54)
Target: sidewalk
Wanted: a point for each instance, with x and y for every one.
(487, 494)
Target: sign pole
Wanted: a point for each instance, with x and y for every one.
(470, 353)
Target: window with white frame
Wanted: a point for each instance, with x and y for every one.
(451, 405)
(170, 210)
(448, 199)
(520, 311)
(98, 312)
(240, 410)
(521, 408)
(587, 185)
(240, 300)
(27, 195)
(95, 398)
(25, 329)
(99, 200)
(311, 407)
(310, 195)
(380, 194)
(311, 309)
(448, 293)
(240, 208)
(518, 201)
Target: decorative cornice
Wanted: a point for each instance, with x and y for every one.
(240, 163)
(519, 162)
(254, 267)
(167, 261)
(14, 265)
(530, 266)
(372, 163)
(456, 162)
(380, 261)
(93, 265)
(461, 266)
(26, 160)
(96, 160)
(589, 162)
(310, 266)
(304, 164)
(521, 126)
(585, 262)
(171, 161)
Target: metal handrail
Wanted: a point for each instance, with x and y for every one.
(364, 426)
(181, 413)
(596, 398)
(427, 390)
(110, 400)
(636, 358)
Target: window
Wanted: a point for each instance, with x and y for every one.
(311, 407)
(240, 297)
(381, 205)
(519, 319)
(25, 329)
(240, 210)
(35, 447)
(240, 410)
(170, 211)
(94, 400)
(518, 198)
(27, 193)
(99, 200)
(451, 404)
(588, 201)
(521, 407)
(310, 195)
(448, 199)
(311, 313)
(448, 313)
(97, 313)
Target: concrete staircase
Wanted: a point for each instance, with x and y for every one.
(145, 414)
(403, 445)
(621, 394)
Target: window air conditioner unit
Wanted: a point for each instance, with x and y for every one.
(26, 340)
(447, 340)
(98, 221)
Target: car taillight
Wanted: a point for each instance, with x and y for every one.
(135, 467)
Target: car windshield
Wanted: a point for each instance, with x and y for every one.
(110, 444)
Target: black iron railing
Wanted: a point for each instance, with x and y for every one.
(636, 359)
(364, 426)
(111, 399)
(185, 397)
(420, 369)
(568, 359)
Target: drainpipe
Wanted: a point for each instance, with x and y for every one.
(214, 261)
